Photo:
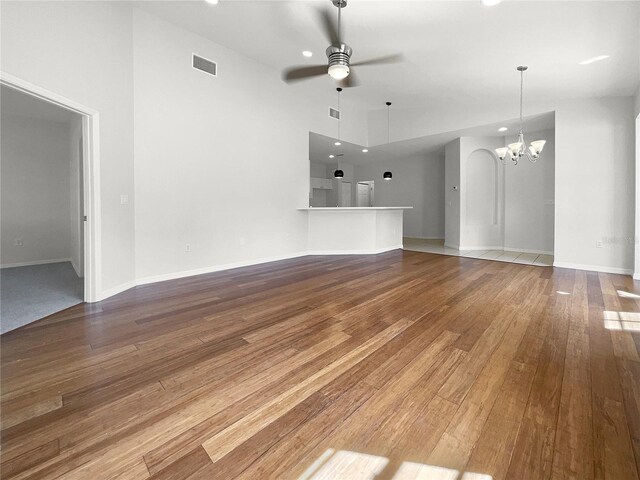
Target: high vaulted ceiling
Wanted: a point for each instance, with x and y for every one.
(459, 51)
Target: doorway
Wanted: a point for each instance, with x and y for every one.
(345, 198)
(364, 194)
(50, 204)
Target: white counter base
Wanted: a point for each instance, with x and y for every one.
(354, 230)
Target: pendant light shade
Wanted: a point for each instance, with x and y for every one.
(338, 174)
(387, 176)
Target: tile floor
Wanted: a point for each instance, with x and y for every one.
(437, 246)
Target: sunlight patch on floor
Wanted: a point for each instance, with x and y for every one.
(347, 465)
(623, 294)
(628, 321)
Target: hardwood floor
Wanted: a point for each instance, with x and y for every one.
(397, 366)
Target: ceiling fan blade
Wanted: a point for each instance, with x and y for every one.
(300, 73)
(329, 27)
(398, 57)
(350, 81)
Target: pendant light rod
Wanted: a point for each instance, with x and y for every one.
(519, 148)
(388, 120)
(339, 89)
(521, 69)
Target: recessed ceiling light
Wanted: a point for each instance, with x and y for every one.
(332, 156)
(594, 59)
(491, 3)
(307, 53)
(503, 129)
(337, 144)
(365, 150)
(212, 2)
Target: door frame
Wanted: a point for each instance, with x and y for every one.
(90, 179)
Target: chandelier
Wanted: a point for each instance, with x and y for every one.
(519, 149)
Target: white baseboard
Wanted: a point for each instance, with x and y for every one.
(218, 268)
(636, 276)
(594, 268)
(355, 252)
(424, 238)
(215, 268)
(475, 248)
(110, 292)
(35, 262)
(76, 268)
(524, 250)
(450, 245)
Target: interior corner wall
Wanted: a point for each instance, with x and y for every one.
(529, 199)
(83, 51)
(221, 163)
(452, 194)
(417, 182)
(35, 191)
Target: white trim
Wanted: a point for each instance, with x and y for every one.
(423, 238)
(355, 252)
(91, 173)
(636, 276)
(465, 248)
(228, 266)
(450, 245)
(117, 289)
(215, 268)
(524, 250)
(75, 267)
(594, 268)
(36, 262)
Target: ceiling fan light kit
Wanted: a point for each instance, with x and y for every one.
(339, 65)
(519, 148)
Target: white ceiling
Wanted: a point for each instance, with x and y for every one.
(14, 102)
(456, 51)
(321, 146)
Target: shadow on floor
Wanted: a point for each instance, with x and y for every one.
(30, 293)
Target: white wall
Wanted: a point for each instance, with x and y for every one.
(417, 182)
(486, 232)
(594, 181)
(594, 184)
(83, 51)
(221, 163)
(35, 190)
(529, 197)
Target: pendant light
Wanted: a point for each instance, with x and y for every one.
(388, 175)
(338, 173)
(519, 149)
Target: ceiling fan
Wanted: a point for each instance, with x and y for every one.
(338, 55)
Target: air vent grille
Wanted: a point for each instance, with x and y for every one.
(333, 113)
(207, 66)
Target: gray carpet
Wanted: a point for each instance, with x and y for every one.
(31, 293)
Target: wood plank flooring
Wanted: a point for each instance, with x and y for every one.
(398, 366)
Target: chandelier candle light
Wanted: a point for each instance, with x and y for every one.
(519, 149)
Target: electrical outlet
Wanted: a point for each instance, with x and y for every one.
(187, 247)
(124, 199)
(18, 242)
(599, 244)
